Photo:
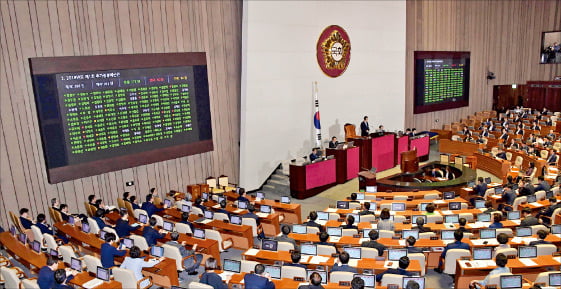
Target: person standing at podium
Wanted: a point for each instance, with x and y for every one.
(333, 143)
(364, 127)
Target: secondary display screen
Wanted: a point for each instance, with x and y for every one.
(109, 112)
(441, 80)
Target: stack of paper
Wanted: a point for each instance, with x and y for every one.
(318, 259)
(536, 204)
(353, 263)
(446, 212)
(334, 239)
(528, 262)
(558, 259)
(331, 210)
(251, 252)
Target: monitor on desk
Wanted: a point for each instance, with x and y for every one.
(85, 227)
(209, 214)
(447, 234)
(479, 204)
(485, 253)
(513, 215)
(269, 245)
(371, 189)
(354, 252)
(484, 217)
(454, 206)
(511, 281)
(204, 196)
(487, 234)
(369, 280)
(470, 184)
(395, 254)
(157, 251)
(285, 200)
(260, 195)
(236, 219)
(449, 195)
(398, 207)
(199, 233)
(168, 226)
(531, 199)
(54, 253)
(549, 194)
(71, 220)
(167, 203)
(360, 196)
(265, 209)
(452, 219)
(554, 279)
(232, 265)
(499, 190)
(22, 237)
(185, 208)
(523, 231)
(13, 230)
(36, 246)
(102, 234)
(299, 229)
(323, 275)
(342, 205)
(419, 280)
(323, 216)
(407, 233)
(309, 249)
(424, 206)
(76, 264)
(142, 218)
(242, 205)
(414, 219)
(103, 274)
(556, 229)
(335, 231)
(365, 232)
(128, 243)
(527, 252)
(274, 271)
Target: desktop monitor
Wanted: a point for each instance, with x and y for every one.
(71, 220)
(527, 252)
(142, 218)
(487, 234)
(102, 234)
(324, 216)
(371, 189)
(342, 205)
(554, 279)
(354, 252)
(220, 199)
(356, 217)
(185, 208)
(209, 214)
(199, 233)
(452, 219)
(470, 184)
(484, 217)
(265, 209)
(424, 206)
(523, 231)
(369, 280)
(335, 231)
(167, 203)
(36, 246)
(204, 196)
(242, 205)
(260, 195)
(128, 243)
(488, 180)
(414, 218)
(157, 251)
(449, 195)
(360, 196)
(22, 237)
(85, 227)
(168, 226)
(447, 234)
(513, 215)
(406, 233)
(373, 206)
(499, 190)
(323, 275)
(76, 264)
(365, 233)
(274, 271)
(531, 198)
(103, 274)
(299, 229)
(54, 253)
(285, 200)
(479, 204)
(485, 253)
(232, 265)
(269, 245)
(419, 280)
(454, 206)
(236, 219)
(309, 249)
(396, 207)
(555, 229)
(549, 194)
(395, 254)
(511, 281)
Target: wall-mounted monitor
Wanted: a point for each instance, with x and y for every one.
(551, 47)
(110, 112)
(441, 80)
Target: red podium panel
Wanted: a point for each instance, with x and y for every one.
(311, 179)
(365, 155)
(347, 161)
(402, 146)
(422, 145)
(383, 152)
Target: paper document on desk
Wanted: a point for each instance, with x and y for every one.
(374, 226)
(481, 242)
(558, 259)
(528, 262)
(446, 212)
(206, 221)
(439, 202)
(449, 225)
(92, 283)
(262, 215)
(331, 210)
(251, 252)
(356, 211)
(536, 204)
(446, 242)
(321, 222)
(216, 206)
(318, 259)
(353, 263)
(237, 211)
(517, 222)
(305, 258)
(483, 263)
(225, 275)
(401, 242)
(480, 225)
(334, 239)
(394, 264)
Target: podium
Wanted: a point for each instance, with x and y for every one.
(347, 163)
(365, 151)
(366, 179)
(409, 162)
(310, 179)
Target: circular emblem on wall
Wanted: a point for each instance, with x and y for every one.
(333, 51)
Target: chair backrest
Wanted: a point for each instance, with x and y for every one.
(290, 272)
(10, 275)
(334, 216)
(369, 253)
(386, 234)
(285, 246)
(16, 222)
(111, 230)
(427, 235)
(544, 154)
(29, 284)
(121, 203)
(67, 253)
(313, 230)
(140, 242)
(367, 218)
(546, 249)
(37, 235)
(248, 266)
(518, 161)
(350, 131)
(506, 251)
(508, 156)
(399, 198)
(125, 276)
(137, 212)
(50, 241)
(496, 279)
(354, 206)
(392, 279)
(489, 192)
(173, 253)
(386, 206)
(94, 227)
(517, 201)
(540, 195)
(338, 276)
(197, 285)
(544, 277)
(451, 257)
(399, 219)
(214, 235)
(55, 215)
(220, 217)
(422, 261)
(91, 263)
(196, 211)
(507, 231)
(536, 228)
(159, 220)
(434, 219)
(326, 250)
(130, 211)
(89, 209)
(183, 228)
(349, 232)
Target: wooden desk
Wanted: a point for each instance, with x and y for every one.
(526, 160)
(456, 147)
(164, 273)
(292, 212)
(497, 167)
(414, 195)
(87, 241)
(84, 277)
(22, 253)
(241, 235)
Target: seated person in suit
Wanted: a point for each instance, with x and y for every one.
(542, 185)
(323, 237)
(458, 244)
(135, 262)
(108, 251)
(312, 217)
(314, 155)
(364, 127)
(333, 143)
(190, 264)
(528, 219)
(357, 283)
(502, 238)
(402, 270)
(479, 190)
(497, 218)
(185, 220)
(122, 226)
(373, 243)
(91, 200)
(315, 282)
(98, 218)
(508, 198)
(365, 209)
(60, 280)
(47, 229)
(149, 206)
(209, 277)
(259, 279)
(349, 223)
(554, 204)
(151, 234)
(46, 276)
(295, 256)
(55, 204)
(223, 209)
(410, 245)
(353, 198)
(504, 135)
(199, 204)
(421, 225)
(501, 154)
(501, 261)
(542, 234)
(430, 209)
(462, 223)
(284, 236)
(489, 207)
(343, 263)
(64, 212)
(385, 223)
(134, 203)
(380, 129)
(251, 214)
(242, 196)
(24, 218)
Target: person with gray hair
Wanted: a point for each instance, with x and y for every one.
(190, 264)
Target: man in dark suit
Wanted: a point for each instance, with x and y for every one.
(323, 237)
(542, 234)
(508, 198)
(190, 264)
(343, 264)
(242, 196)
(295, 256)
(312, 217)
(46, 277)
(333, 143)
(402, 270)
(485, 132)
(504, 135)
(373, 235)
(285, 238)
(528, 220)
(542, 185)
(554, 204)
(98, 218)
(421, 225)
(315, 282)
(251, 214)
(151, 234)
(258, 280)
(209, 277)
(364, 127)
(349, 223)
(410, 245)
(458, 244)
(149, 206)
(25, 219)
(365, 209)
(479, 190)
(108, 251)
(552, 160)
(223, 208)
(122, 227)
(314, 155)
(501, 154)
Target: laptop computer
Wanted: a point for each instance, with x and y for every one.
(555, 229)
(487, 233)
(102, 274)
(168, 226)
(157, 251)
(371, 189)
(22, 237)
(36, 246)
(513, 215)
(323, 216)
(354, 252)
(423, 206)
(260, 195)
(531, 198)
(406, 233)
(265, 209)
(447, 234)
(369, 280)
(360, 196)
(269, 245)
(335, 231)
(395, 254)
(285, 200)
(554, 279)
(76, 264)
(527, 252)
(452, 219)
(199, 233)
(233, 266)
(523, 231)
(242, 205)
(488, 180)
(85, 228)
(484, 217)
(142, 218)
(185, 208)
(309, 249)
(128, 243)
(483, 253)
(414, 218)
(299, 229)
(235, 219)
(274, 271)
(479, 204)
(511, 281)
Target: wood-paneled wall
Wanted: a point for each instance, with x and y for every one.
(503, 36)
(37, 28)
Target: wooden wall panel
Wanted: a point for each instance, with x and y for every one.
(503, 36)
(37, 28)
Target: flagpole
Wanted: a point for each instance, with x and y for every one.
(317, 124)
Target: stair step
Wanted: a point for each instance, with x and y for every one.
(278, 182)
(279, 177)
